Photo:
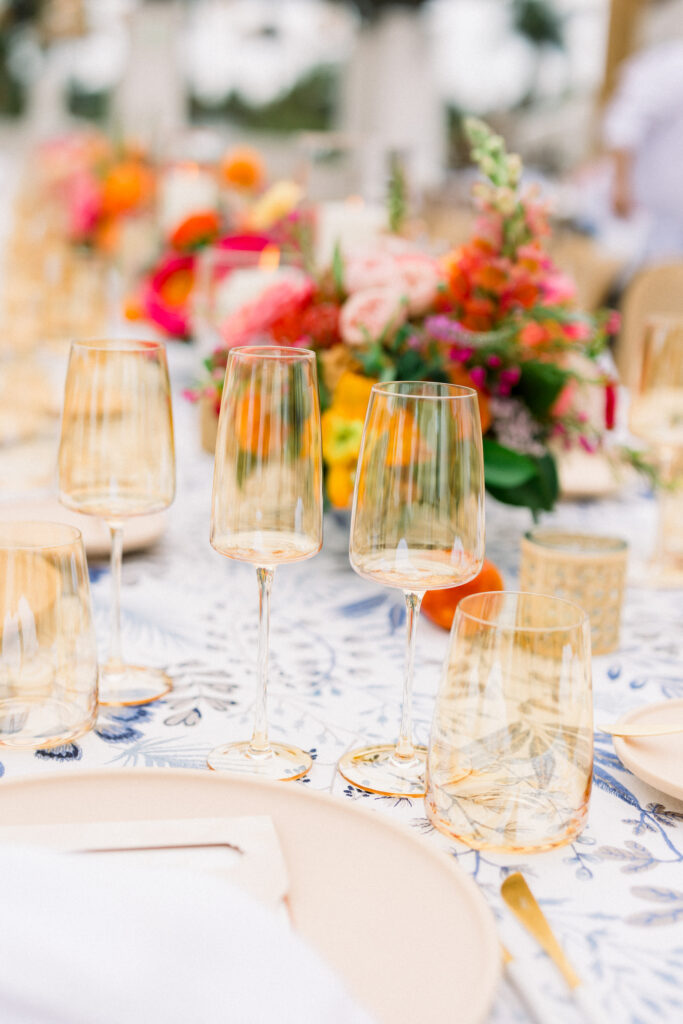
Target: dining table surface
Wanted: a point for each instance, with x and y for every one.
(614, 895)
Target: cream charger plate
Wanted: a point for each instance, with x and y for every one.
(407, 930)
(657, 760)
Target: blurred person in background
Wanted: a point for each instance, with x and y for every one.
(643, 131)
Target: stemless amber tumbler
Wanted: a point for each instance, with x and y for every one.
(267, 507)
(511, 748)
(417, 524)
(117, 459)
(48, 654)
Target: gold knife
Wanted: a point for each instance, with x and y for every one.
(522, 903)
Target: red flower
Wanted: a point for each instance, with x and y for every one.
(610, 404)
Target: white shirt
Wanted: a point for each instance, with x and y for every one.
(645, 116)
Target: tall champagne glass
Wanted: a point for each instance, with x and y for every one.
(117, 459)
(267, 507)
(417, 524)
(656, 415)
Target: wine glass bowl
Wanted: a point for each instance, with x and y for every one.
(656, 416)
(267, 507)
(116, 460)
(417, 524)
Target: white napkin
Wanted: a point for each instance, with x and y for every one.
(90, 941)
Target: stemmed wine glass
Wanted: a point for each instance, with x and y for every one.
(656, 415)
(417, 524)
(267, 507)
(117, 459)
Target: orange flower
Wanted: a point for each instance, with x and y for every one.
(490, 278)
(352, 395)
(533, 334)
(243, 169)
(440, 605)
(196, 230)
(340, 485)
(402, 448)
(176, 289)
(253, 425)
(127, 186)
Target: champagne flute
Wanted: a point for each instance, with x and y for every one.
(656, 415)
(267, 507)
(417, 524)
(117, 459)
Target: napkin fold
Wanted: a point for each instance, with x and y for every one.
(89, 941)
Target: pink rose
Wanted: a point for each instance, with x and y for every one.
(370, 314)
(369, 270)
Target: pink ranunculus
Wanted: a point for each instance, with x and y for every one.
(244, 243)
(564, 401)
(420, 279)
(84, 205)
(172, 313)
(370, 314)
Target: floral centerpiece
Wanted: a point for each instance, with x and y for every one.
(495, 314)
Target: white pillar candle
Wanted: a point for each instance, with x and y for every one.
(185, 189)
(351, 224)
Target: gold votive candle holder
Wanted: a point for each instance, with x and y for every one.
(588, 569)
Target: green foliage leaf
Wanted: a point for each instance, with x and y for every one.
(538, 493)
(540, 384)
(338, 270)
(504, 467)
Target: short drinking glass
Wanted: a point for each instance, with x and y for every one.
(267, 507)
(48, 653)
(511, 748)
(417, 524)
(117, 459)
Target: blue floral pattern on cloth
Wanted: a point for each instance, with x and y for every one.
(614, 896)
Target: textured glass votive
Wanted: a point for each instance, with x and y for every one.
(587, 569)
(511, 747)
(48, 656)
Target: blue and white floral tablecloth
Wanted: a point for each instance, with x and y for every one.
(615, 896)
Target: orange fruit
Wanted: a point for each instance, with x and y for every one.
(440, 605)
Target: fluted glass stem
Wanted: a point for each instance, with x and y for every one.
(259, 745)
(405, 750)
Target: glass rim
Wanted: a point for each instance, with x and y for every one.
(582, 614)
(273, 352)
(603, 544)
(71, 535)
(103, 344)
(453, 391)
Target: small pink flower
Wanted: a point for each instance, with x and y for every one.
(578, 330)
(613, 323)
(564, 401)
(370, 314)
(494, 362)
(85, 205)
(478, 377)
(558, 288)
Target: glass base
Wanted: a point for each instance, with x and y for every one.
(493, 842)
(39, 723)
(379, 770)
(280, 763)
(121, 685)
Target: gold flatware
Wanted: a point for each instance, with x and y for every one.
(634, 731)
(523, 905)
(523, 981)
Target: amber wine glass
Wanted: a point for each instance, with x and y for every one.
(116, 460)
(267, 507)
(417, 524)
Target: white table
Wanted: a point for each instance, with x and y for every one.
(615, 896)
